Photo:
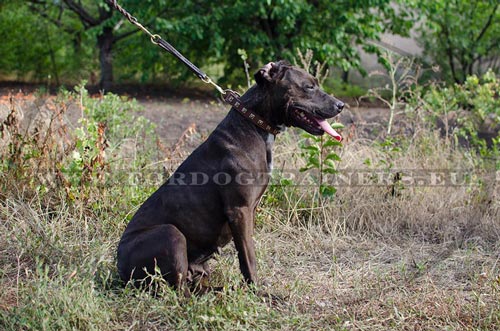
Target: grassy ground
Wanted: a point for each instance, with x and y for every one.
(384, 256)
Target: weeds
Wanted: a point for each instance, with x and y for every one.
(402, 75)
(317, 69)
(319, 156)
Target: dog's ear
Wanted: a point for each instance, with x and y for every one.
(271, 72)
(263, 76)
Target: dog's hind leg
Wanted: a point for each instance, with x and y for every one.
(163, 247)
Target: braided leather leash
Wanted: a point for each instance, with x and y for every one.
(228, 96)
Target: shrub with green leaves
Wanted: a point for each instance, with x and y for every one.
(107, 122)
(77, 157)
(468, 112)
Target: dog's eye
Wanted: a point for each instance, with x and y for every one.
(309, 87)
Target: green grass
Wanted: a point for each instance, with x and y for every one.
(425, 258)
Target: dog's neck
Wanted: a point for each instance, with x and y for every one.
(261, 102)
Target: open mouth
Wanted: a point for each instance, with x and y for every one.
(312, 124)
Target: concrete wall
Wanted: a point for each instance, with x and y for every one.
(397, 44)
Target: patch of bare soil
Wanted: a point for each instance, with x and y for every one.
(199, 111)
(174, 116)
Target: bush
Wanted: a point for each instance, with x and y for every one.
(469, 112)
(51, 153)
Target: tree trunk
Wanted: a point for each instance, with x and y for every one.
(345, 76)
(105, 43)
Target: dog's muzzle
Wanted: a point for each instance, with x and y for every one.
(314, 124)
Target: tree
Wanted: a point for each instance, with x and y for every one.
(96, 19)
(30, 48)
(210, 34)
(273, 29)
(461, 36)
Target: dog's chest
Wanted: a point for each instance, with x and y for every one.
(269, 152)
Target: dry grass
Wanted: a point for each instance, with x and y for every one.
(425, 258)
(376, 257)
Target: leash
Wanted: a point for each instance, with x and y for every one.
(229, 96)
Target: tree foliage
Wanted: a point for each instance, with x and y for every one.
(34, 50)
(461, 36)
(209, 34)
(96, 23)
(273, 29)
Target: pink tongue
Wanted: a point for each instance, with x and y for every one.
(328, 129)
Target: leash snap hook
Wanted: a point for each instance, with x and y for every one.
(155, 39)
(208, 80)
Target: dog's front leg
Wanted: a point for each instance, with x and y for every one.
(242, 224)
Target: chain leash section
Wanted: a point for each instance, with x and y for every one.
(132, 19)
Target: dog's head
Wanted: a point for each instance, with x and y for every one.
(297, 100)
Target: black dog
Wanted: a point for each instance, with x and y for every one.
(212, 196)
